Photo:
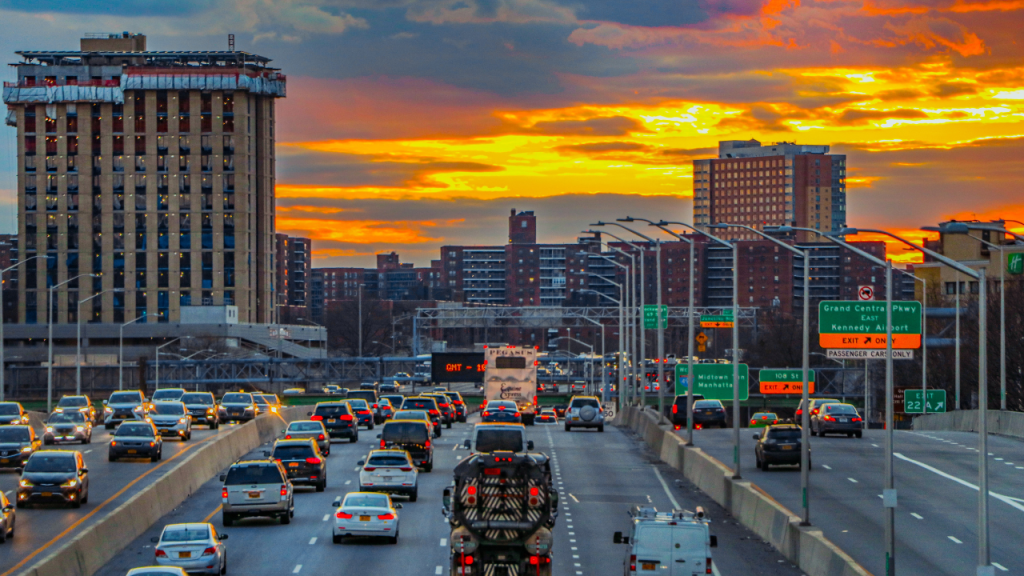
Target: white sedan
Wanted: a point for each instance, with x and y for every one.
(157, 571)
(196, 548)
(390, 471)
(366, 514)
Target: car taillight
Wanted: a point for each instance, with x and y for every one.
(209, 551)
(287, 436)
(675, 409)
(458, 402)
(406, 468)
(517, 415)
(317, 418)
(313, 460)
(160, 553)
(388, 516)
(828, 418)
(709, 571)
(345, 417)
(369, 468)
(427, 444)
(799, 412)
(434, 412)
(486, 414)
(113, 443)
(382, 444)
(632, 562)
(224, 493)
(343, 516)
(752, 422)
(320, 437)
(284, 489)
(364, 412)
(856, 420)
(375, 406)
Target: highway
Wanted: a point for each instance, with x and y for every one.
(936, 477)
(600, 476)
(41, 529)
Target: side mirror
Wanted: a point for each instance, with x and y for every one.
(104, 402)
(617, 538)
(154, 539)
(83, 471)
(266, 453)
(756, 436)
(223, 477)
(8, 508)
(467, 445)
(529, 444)
(378, 435)
(19, 470)
(309, 413)
(361, 462)
(446, 498)
(398, 506)
(335, 504)
(714, 541)
(284, 431)
(222, 536)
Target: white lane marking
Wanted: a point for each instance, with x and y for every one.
(1000, 566)
(576, 565)
(574, 498)
(875, 445)
(954, 539)
(356, 468)
(87, 451)
(852, 480)
(999, 459)
(1019, 467)
(991, 454)
(444, 541)
(916, 515)
(1000, 497)
(326, 516)
(347, 482)
(826, 466)
(297, 568)
(668, 493)
(1008, 463)
(572, 534)
(312, 540)
(649, 499)
(338, 498)
(437, 570)
(573, 547)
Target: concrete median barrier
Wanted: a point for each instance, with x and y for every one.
(87, 551)
(806, 547)
(1002, 423)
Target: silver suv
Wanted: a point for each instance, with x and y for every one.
(584, 412)
(257, 488)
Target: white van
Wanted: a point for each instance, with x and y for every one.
(496, 436)
(667, 544)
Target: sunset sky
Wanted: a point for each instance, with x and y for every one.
(412, 124)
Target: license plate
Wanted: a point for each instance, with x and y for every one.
(364, 518)
(293, 464)
(47, 494)
(648, 565)
(331, 420)
(4, 460)
(184, 554)
(575, 418)
(133, 451)
(841, 419)
(254, 494)
(787, 447)
(164, 430)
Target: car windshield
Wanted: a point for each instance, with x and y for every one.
(15, 434)
(491, 440)
(581, 402)
(388, 460)
(405, 432)
(384, 402)
(332, 410)
(707, 404)
(366, 395)
(169, 409)
(253, 474)
(125, 398)
(454, 396)
(261, 400)
(206, 399)
(366, 501)
(168, 394)
(293, 452)
(237, 399)
(134, 430)
(305, 427)
(359, 404)
(73, 402)
(9, 410)
(441, 399)
(270, 398)
(785, 434)
(421, 403)
(50, 463)
(66, 418)
(764, 416)
(499, 404)
(840, 409)
(410, 415)
(185, 535)
(395, 399)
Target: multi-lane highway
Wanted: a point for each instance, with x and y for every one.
(42, 529)
(936, 478)
(599, 476)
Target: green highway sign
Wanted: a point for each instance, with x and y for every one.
(722, 320)
(785, 381)
(714, 381)
(912, 401)
(850, 325)
(650, 316)
(1015, 263)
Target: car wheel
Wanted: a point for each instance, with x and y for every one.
(393, 539)
(3, 534)
(858, 434)
(353, 439)
(76, 504)
(448, 425)
(428, 467)
(414, 495)
(813, 431)
(337, 538)
(111, 458)
(757, 462)
(108, 426)
(322, 485)
(47, 441)
(227, 519)
(764, 466)
(224, 566)
(600, 428)
(188, 436)
(370, 427)
(286, 518)
(155, 457)
(567, 427)
(849, 434)
(86, 499)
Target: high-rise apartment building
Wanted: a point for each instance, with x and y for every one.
(293, 263)
(151, 171)
(772, 184)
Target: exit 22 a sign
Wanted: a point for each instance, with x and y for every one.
(912, 401)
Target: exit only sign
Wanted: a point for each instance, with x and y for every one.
(785, 381)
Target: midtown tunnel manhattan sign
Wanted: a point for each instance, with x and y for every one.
(858, 325)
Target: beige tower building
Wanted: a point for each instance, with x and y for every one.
(152, 171)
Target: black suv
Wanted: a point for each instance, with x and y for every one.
(371, 397)
(428, 405)
(338, 419)
(303, 461)
(411, 436)
(458, 404)
(779, 444)
(708, 413)
(677, 412)
(202, 406)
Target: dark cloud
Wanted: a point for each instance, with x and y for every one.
(642, 12)
(112, 7)
(305, 167)
(857, 116)
(947, 89)
(899, 94)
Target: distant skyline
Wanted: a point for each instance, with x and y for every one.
(412, 124)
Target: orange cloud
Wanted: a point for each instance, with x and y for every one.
(362, 231)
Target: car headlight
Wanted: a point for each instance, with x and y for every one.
(181, 420)
(209, 410)
(25, 484)
(70, 483)
(26, 449)
(249, 409)
(107, 410)
(79, 428)
(49, 428)
(138, 409)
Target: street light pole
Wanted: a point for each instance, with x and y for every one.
(78, 339)
(628, 294)
(924, 339)
(2, 362)
(49, 339)
(120, 354)
(805, 444)
(158, 358)
(621, 330)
